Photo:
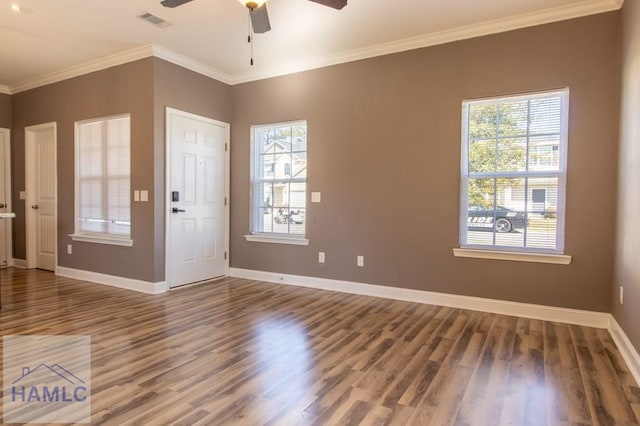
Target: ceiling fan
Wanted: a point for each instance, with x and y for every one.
(258, 10)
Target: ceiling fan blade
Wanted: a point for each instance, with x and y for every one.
(260, 20)
(336, 4)
(173, 3)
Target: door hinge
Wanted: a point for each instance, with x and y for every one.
(225, 255)
(226, 146)
(225, 201)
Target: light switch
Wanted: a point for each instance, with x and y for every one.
(144, 195)
(23, 195)
(315, 197)
(136, 195)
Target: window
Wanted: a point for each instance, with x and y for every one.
(279, 182)
(103, 180)
(514, 153)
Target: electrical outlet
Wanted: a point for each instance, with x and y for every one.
(360, 261)
(321, 257)
(69, 249)
(621, 295)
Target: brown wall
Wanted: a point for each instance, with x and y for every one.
(123, 89)
(5, 111)
(384, 150)
(384, 147)
(179, 88)
(143, 88)
(627, 268)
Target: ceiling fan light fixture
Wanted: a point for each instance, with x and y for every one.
(253, 4)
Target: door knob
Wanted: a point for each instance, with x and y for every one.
(176, 210)
(35, 207)
(2, 206)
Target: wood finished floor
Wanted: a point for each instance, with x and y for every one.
(249, 353)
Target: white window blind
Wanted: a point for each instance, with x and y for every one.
(514, 153)
(279, 179)
(103, 178)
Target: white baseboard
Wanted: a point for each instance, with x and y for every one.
(114, 281)
(626, 348)
(19, 263)
(526, 310)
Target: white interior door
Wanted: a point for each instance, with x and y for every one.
(41, 196)
(5, 197)
(197, 220)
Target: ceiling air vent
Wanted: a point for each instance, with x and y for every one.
(153, 19)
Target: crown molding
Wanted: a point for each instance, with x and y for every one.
(486, 28)
(120, 58)
(461, 33)
(190, 64)
(85, 68)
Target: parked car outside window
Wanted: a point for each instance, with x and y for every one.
(501, 218)
(293, 216)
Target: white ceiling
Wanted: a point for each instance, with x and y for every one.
(53, 35)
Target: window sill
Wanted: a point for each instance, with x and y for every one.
(277, 240)
(102, 240)
(558, 259)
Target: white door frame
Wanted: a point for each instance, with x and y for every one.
(7, 183)
(30, 179)
(167, 232)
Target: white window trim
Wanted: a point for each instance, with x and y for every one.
(269, 237)
(523, 254)
(102, 240)
(557, 259)
(87, 237)
(276, 239)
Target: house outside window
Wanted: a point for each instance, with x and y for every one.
(513, 172)
(279, 180)
(102, 180)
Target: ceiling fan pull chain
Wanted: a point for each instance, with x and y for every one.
(251, 62)
(250, 36)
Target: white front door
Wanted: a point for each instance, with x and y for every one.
(41, 196)
(197, 236)
(5, 176)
